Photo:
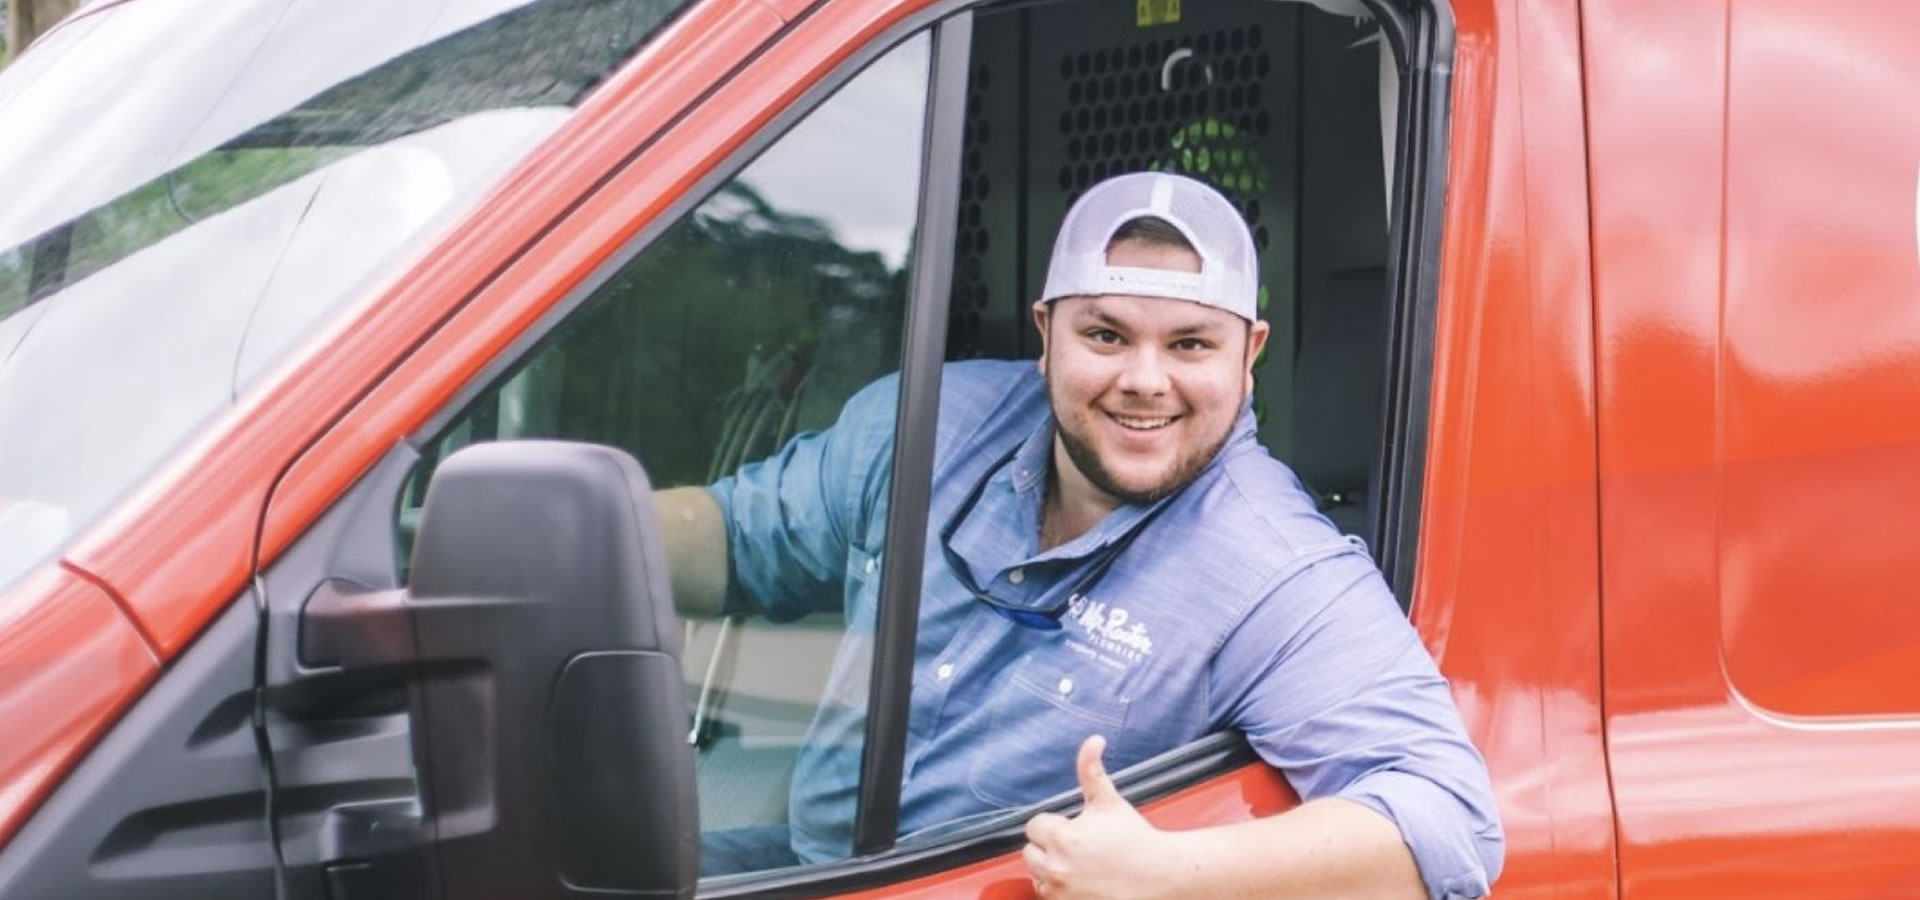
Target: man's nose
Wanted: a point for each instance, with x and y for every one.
(1145, 373)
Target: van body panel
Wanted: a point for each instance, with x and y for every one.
(1755, 327)
(70, 662)
(1820, 331)
(1507, 594)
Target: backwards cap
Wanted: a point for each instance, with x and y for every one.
(1229, 272)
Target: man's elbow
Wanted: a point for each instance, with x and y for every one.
(1454, 836)
(694, 535)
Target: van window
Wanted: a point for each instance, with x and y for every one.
(1276, 106)
(167, 241)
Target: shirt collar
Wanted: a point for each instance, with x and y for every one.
(1008, 513)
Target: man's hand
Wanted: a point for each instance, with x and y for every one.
(1108, 851)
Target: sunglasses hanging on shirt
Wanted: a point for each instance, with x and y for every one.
(1044, 618)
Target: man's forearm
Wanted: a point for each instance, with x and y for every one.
(696, 544)
(1325, 848)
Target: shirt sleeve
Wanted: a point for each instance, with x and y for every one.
(792, 517)
(1331, 685)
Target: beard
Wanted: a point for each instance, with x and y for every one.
(1186, 466)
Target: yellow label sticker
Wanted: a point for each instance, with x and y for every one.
(1147, 13)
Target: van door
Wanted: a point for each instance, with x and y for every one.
(1759, 448)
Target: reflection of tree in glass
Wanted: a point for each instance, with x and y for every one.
(13, 281)
(738, 326)
(545, 54)
(207, 186)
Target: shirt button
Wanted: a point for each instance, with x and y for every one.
(945, 671)
(872, 565)
(1066, 686)
(1016, 576)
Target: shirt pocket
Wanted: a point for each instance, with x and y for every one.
(1040, 714)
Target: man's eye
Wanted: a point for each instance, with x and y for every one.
(1104, 336)
(1190, 345)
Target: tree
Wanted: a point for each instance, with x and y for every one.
(28, 19)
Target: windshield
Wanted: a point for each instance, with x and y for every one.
(193, 187)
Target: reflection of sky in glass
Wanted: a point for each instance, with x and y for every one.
(862, 196)
(100, 123)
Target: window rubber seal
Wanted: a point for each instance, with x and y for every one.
(890, 697)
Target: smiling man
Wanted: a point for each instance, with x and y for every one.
(1115, 567)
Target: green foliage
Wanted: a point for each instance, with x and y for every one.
(736, 328)
(152, 212)
(545, 54)
(204, 187)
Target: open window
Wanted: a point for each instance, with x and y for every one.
(1278, 105)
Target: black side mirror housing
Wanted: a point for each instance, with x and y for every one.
(549, 714)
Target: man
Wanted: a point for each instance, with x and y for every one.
(1114, 567)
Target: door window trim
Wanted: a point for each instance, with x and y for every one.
(882, 763)
(1423, 43)
(922, 352)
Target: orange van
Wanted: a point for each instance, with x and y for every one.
(1599, 320)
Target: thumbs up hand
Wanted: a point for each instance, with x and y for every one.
(1107, 851)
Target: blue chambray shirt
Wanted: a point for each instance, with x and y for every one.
(1238, 607)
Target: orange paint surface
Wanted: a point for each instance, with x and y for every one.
(70, 662)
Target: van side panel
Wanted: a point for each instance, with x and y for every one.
(1754, 178)
(1820, 362)
(70, 662)
(1507, 593)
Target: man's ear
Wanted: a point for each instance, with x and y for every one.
(1256, 341)
(1041, 312)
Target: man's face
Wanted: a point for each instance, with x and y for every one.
(1144, 390)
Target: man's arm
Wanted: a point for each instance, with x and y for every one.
(772, 538)
(696, 542)
(1331, 685)
(1329, 848)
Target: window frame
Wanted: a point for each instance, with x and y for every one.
(1423, 45)
(1422, 35)
(922, 353)
(883, 754)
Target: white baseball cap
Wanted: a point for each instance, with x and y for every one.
(1229, 276)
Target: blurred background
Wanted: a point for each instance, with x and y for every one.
(26, 19)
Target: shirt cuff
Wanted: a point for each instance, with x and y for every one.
(736, 601)
(1457, 849)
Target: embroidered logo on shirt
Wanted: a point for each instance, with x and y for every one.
(1111, 630)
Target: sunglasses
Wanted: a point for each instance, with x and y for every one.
(1044, 618)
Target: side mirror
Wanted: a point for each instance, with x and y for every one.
(548, 713)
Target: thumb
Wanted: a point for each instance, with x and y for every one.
(1094, 783)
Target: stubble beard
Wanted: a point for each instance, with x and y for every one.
(1185, 469)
